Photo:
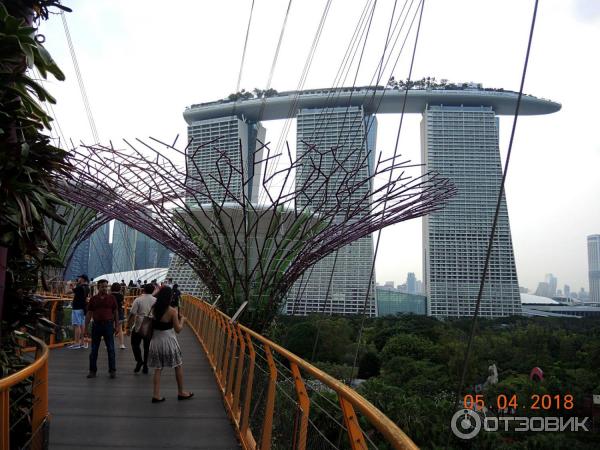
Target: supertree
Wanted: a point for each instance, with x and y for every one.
(246, 250)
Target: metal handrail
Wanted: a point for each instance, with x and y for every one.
(227, 344)
(39, 370)
(53, 300)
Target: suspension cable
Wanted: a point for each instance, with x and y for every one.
(237, 89)
(362, 325)
(86, 102)
(496, 213)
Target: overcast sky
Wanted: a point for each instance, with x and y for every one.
(143, 62)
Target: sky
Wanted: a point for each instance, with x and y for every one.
(142, 63)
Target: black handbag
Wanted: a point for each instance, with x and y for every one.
(146, 329)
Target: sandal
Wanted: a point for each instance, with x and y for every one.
(185, 397)
(158, 400)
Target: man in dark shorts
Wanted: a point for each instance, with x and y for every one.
(80, 295)
(104, 311)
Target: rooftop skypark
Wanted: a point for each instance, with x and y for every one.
(272, 105)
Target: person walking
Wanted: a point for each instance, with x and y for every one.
(80, 295)
(164, 348)
(139, 309)
(156, 287)
(102, 309)
(115, 291)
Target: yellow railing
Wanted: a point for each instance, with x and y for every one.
(56, 305)
(54, 300)
(38, 369)
(278, 400)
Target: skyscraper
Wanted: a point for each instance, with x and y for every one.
(339, 283)
(224, 136)
(100, 252)
(464, 145)
(461, 143)
(543, 289)
(552, 283)
(79, 261)
(215, 139)
(411, 283)
(124, 239)
(150, 253)
(593, 242)
(145, 252)
(163, 255)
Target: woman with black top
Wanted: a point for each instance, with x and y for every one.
(115, 291)
(164, 348)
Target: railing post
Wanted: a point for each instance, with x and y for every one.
(219, 349)
(209, 335)
(355, 434)
(204, 320)
(53, 320)
(240, 372)
(195, 312)
(216, 336)
(40, 402)
(4, 419)
(232, 362)
(304, 402)
(226, 355)
(265, 442)
(249, 386)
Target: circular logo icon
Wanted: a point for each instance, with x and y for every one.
(465, 424)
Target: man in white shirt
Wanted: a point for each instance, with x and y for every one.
(139, 309)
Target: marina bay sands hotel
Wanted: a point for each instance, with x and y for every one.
(459, 140)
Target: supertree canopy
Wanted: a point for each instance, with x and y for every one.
(244, 248)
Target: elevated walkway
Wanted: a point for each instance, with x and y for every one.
(249, 393)
(103, 413)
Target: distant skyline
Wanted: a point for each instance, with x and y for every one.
(143, 64)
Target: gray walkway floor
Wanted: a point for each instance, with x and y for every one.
(118, 413)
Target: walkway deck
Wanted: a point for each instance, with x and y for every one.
(102, 413)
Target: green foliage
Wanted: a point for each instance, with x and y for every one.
(320, 339)
(248, 95)
(300, 339)
(369, 365)
(29, 165)
(28, 161)
(342, 372)
(422, 360)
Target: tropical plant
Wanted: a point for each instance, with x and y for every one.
(28, 161)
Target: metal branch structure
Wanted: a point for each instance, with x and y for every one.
(240, 249)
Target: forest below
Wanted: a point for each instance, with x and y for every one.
(412, 366)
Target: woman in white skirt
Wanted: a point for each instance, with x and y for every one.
(164, 348)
